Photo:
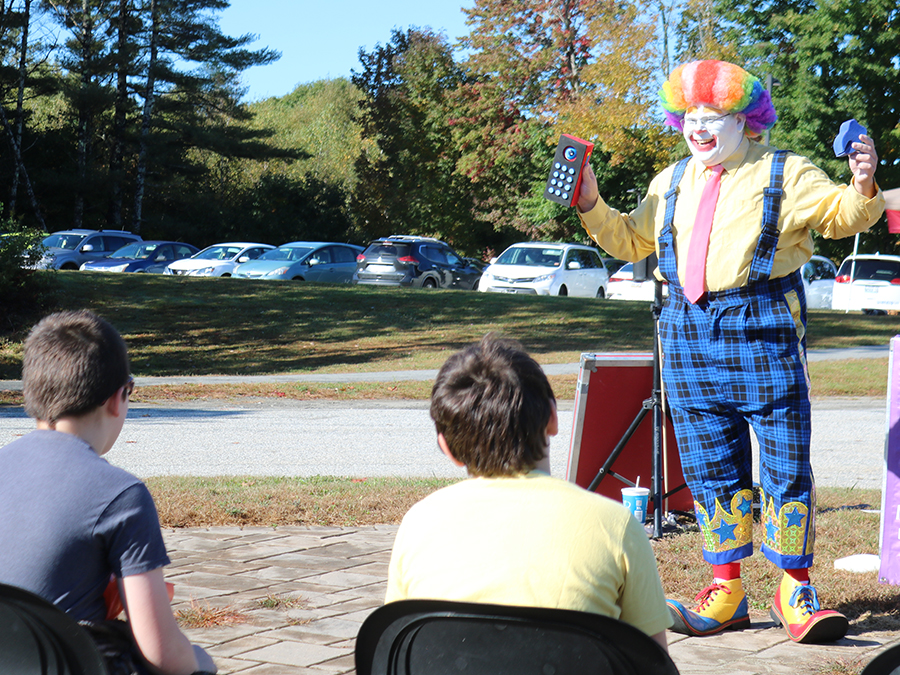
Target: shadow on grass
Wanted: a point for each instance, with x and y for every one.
(187, 326)
(235, 326)
(873, 612)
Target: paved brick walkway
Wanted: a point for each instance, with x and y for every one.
(338, 575)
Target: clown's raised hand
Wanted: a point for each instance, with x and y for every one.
(587, 197)
(863, 161)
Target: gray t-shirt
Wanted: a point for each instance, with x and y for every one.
(69, 520)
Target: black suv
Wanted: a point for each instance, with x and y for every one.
(420, 262)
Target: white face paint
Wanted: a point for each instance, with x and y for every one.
(712, 134)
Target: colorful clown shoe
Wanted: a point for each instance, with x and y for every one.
(801, 616)
(722, 606)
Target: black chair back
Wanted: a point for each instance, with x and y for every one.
(38, 638)
(886, 663)
(436, 637)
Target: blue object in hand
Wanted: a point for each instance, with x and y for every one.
(849, 134)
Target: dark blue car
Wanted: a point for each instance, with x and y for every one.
(142, 256)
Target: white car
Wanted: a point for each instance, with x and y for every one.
(868, 283)
(218, 260)
(622, 286)
(818, 281)
(539, 268)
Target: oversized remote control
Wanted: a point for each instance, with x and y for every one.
(564, 182)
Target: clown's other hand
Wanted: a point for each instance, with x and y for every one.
(863, 162)
(587, 198)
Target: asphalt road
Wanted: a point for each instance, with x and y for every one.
(289, 438)
(286, 438)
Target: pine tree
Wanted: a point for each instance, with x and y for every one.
(87, 59)
(126, 24)
(15, 22)
(190, 95)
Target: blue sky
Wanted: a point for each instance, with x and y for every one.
(319, 40)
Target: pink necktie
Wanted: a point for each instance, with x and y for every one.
(696, 260)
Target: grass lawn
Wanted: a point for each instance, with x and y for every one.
(187, 326)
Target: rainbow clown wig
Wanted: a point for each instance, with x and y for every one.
(721, 85)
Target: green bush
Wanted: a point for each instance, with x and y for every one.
(23, 290)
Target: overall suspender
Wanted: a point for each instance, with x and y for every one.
(668, 263)
(763, 255)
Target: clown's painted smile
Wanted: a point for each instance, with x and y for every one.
(703, 142)
(712, 134)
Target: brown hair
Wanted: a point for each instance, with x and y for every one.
(492, 402)
(74, 361)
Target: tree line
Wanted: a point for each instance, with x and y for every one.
(118, 113)
(128, 114)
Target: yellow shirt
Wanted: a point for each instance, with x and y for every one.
(528, 540)
(811, 202)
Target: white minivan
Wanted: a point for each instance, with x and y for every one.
(542, 268)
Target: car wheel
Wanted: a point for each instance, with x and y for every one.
(68, 266)
(563, 290)
(298, 279)
(601, 294)
(226, 275)
(429, 283)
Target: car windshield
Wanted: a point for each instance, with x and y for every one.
(387, 249)
(531, 256)
(614, 264)
(67, 241)
(136, 251)
(627, 268)
(218, 253)
(870, 268)
(289, 253)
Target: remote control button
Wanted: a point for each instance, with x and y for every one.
(570, 153)
(571, 170)
(565, 195)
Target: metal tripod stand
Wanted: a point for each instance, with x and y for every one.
(655, 405)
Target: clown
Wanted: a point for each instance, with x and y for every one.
(732, 226)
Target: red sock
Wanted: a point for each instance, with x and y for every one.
(800, 574)
(728, 571)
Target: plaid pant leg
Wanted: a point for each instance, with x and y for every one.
(713, 440)
(788, 489)
(762, 348)
(717, 464)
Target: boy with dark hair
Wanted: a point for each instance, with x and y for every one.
(71, 521)
(511, 534)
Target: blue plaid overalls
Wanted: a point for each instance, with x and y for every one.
(734, 360)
